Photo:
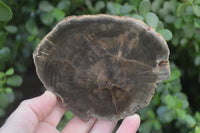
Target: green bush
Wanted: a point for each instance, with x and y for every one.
(175, 105)
(7, 79)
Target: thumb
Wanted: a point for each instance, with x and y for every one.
(130, 124)
(29, 113)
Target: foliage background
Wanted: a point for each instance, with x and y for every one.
(175, 106)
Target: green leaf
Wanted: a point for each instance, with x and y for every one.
(45, 6)
(197, 129)
(58, 14)
(110, 8)
(145, 7)
(181, 9)
(170, 19)
(64, 5)
(190, 1)
(197, 22)
(170, 100)
(189, 10)
(136, 16)
(176, 74)
(197, 60)
(166, 34)
(169, 116)
(151, 114)
(179, 103)
(163, 12)
(89, 5)
(126, 9)
(157, 125)
(189, 20)
(11, 29)
(156, 5)
(159, 25)
(99, 5)
(4, 54)
(1, 86)
(196, 1)
(183, 99)
(8, 90)
(5, 12)
(135, 3)
(10, 71)
(147, 126)
(31, 27)
(10, 95)
(47, 18)
(196, 10)
(181, 113)
(189, 28)
(178, 23)
(117, 8)
(2, 75)
(152, 20)
(183, 41)
(170, 6)
(197, 116)
(165, 115)
(4, 101)
(190, 120)
(14, 81)
(3, 36)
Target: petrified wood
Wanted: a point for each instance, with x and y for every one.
(101, 65)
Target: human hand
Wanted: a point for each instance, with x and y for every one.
(42, 114)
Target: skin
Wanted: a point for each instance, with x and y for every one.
(42, 115)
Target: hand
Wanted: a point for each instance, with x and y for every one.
(42, 114)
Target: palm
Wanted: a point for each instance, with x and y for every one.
(42, 115)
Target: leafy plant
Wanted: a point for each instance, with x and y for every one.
(169, 105)
(6, 13)
(7, 81)
(144, 14)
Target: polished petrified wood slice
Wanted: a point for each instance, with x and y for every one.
(102, 66)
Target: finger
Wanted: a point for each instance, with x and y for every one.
(46, 128)
(76, 125)
(102, 126)
(28, 114)
(54, 117)
(130, 124)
